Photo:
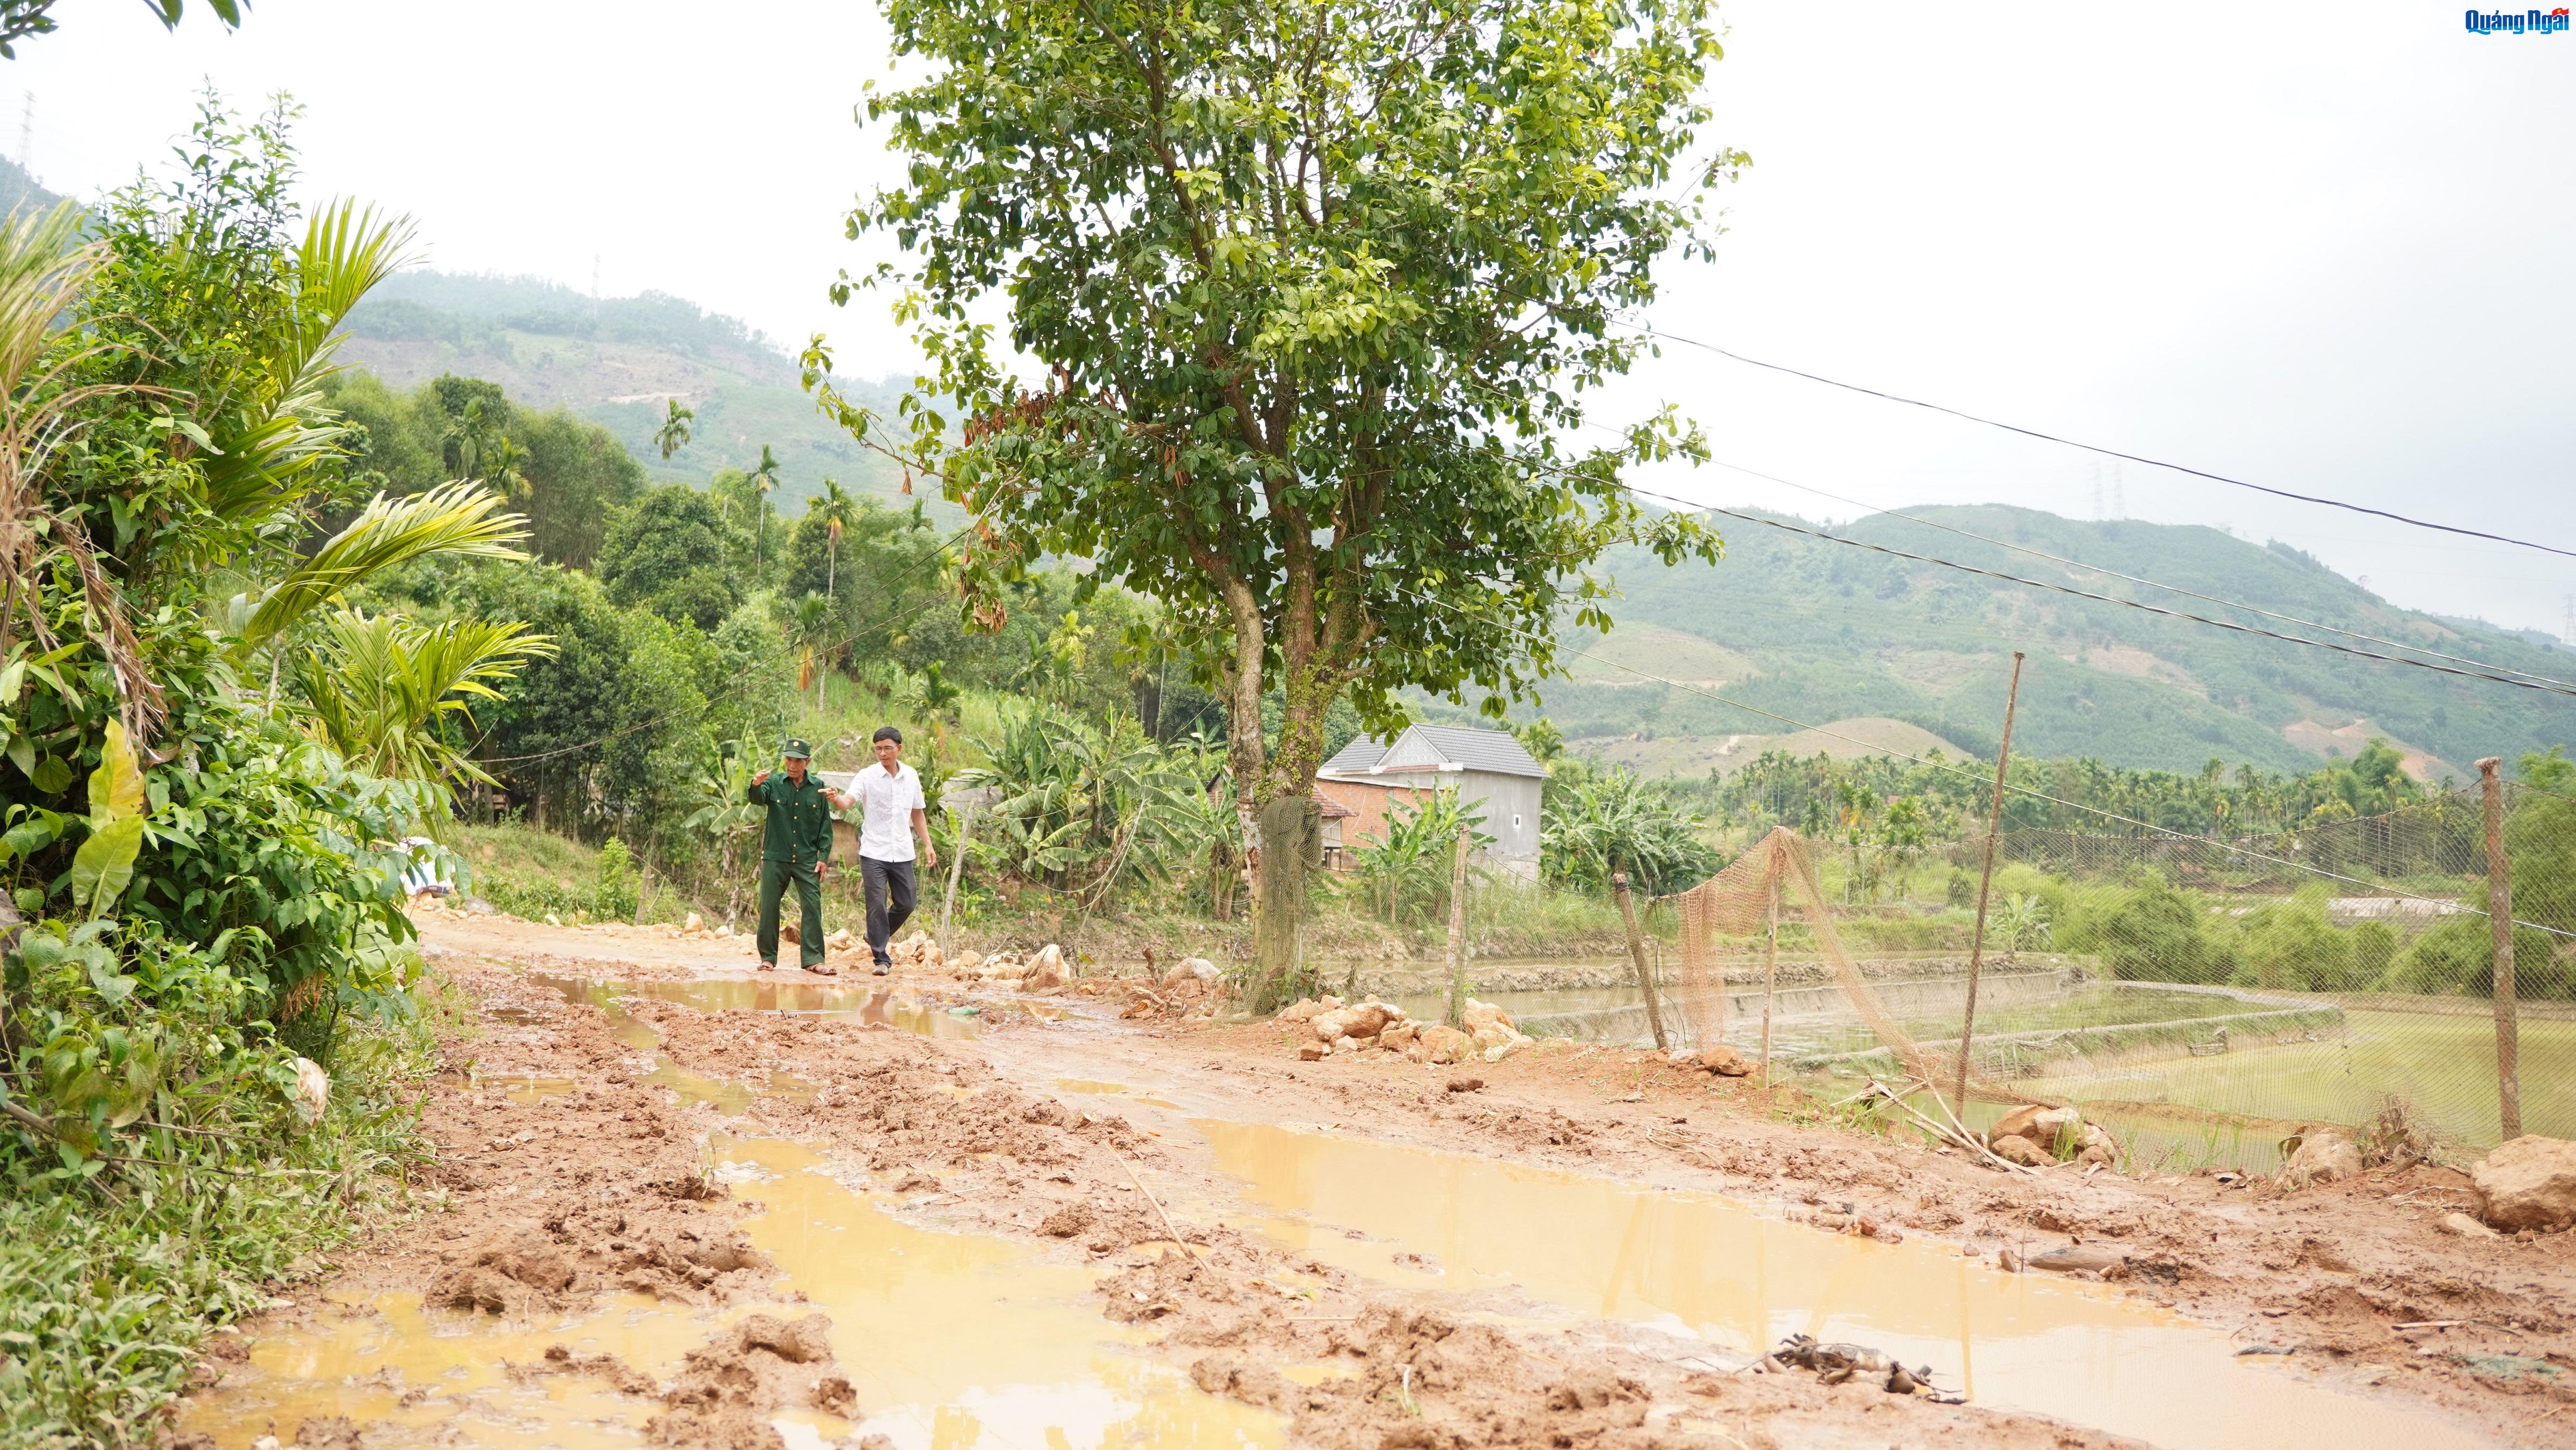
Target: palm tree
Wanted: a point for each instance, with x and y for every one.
(461, 517)
(379, 687)
(764, 481)
(673, 435)
(838, 510)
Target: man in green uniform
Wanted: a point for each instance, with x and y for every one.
(795, 845)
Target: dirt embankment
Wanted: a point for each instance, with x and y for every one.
(593, 1185)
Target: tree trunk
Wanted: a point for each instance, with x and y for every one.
(1291, 838)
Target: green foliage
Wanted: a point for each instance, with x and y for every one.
(572, 475)
(1407, 877)
(2291, 945)
(1315, 411)
(1088, 808)
(667, 553)
(1596, 822)
(2150, 933)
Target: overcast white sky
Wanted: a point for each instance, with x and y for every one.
(2324, 247)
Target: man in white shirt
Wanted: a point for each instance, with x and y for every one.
(892, 815)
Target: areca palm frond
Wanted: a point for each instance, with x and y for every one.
(44, 268)
(453, 518)
(380, 686)
(262, 462)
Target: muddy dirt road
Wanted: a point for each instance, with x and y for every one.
(702, 1208)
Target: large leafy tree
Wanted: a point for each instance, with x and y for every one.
(1313, 291)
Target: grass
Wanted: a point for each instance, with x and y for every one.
(106, 1290)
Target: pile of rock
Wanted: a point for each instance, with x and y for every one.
(1036, 972)
(1334, 1026)
(916, 950)
(1717, 1059)
(2039, 1137)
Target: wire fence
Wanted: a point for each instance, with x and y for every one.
(2204, 998)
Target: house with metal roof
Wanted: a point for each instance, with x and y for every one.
(1488, 769)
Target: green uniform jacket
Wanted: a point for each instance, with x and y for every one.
(799, 828)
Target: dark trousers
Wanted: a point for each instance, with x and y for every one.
(774, 876)
(891, 894)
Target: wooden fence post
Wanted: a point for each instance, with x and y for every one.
(1637, 956)
(2500, 920)
(1770, 964)
(1458, 931)
(956, 871)
(1985, 884)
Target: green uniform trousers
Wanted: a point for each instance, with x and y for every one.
(774, 876)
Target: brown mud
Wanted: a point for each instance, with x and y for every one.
(728, 1209)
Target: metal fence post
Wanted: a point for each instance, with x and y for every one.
(2500, 919)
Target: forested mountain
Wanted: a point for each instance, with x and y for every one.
(1821, 631)
(615, 361)
(1814, 630)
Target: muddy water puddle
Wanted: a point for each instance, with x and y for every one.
(1545, 1247)
(953, 1341)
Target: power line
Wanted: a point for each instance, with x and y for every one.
(2073, 442)
(2149, 583)
(2539, 683)
(1980, 778)
(2528, 680)
(2545, 687)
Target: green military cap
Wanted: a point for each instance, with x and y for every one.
(797, 750)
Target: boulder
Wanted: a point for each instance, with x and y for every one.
(789, 931)
(1398, 1035)
(2529, 1183)
(2056, 1129)
(1367, 1019)
(1480, 1015)
(1440, 1043)
(694, 925)
(1301, 1011)
(2324, 1155)
(2097, 1146)
(1313, 1051)
(2014, 1148)
(967, 961)
(2017, 1123)
(1346, 1044)
(1725, 1061)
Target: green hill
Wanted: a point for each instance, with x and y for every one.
(614, 361)
(1821, 632)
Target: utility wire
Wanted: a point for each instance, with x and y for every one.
(2544, 687)
(1980, 778)
(2072, 442)
(2526, 680)
(2134, 579)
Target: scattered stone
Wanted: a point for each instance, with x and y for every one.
(1045, 970)
(1313, 1051)
(2014, 1148)
(2325, 1155)
(1725, 1061)
(2456, 1222)
(2529, 1183)
(1466, 1084)
(1440, 1043)
(1191, 969)
(2079, 1259)
(696, 925)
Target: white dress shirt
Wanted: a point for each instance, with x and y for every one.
(886, 804)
